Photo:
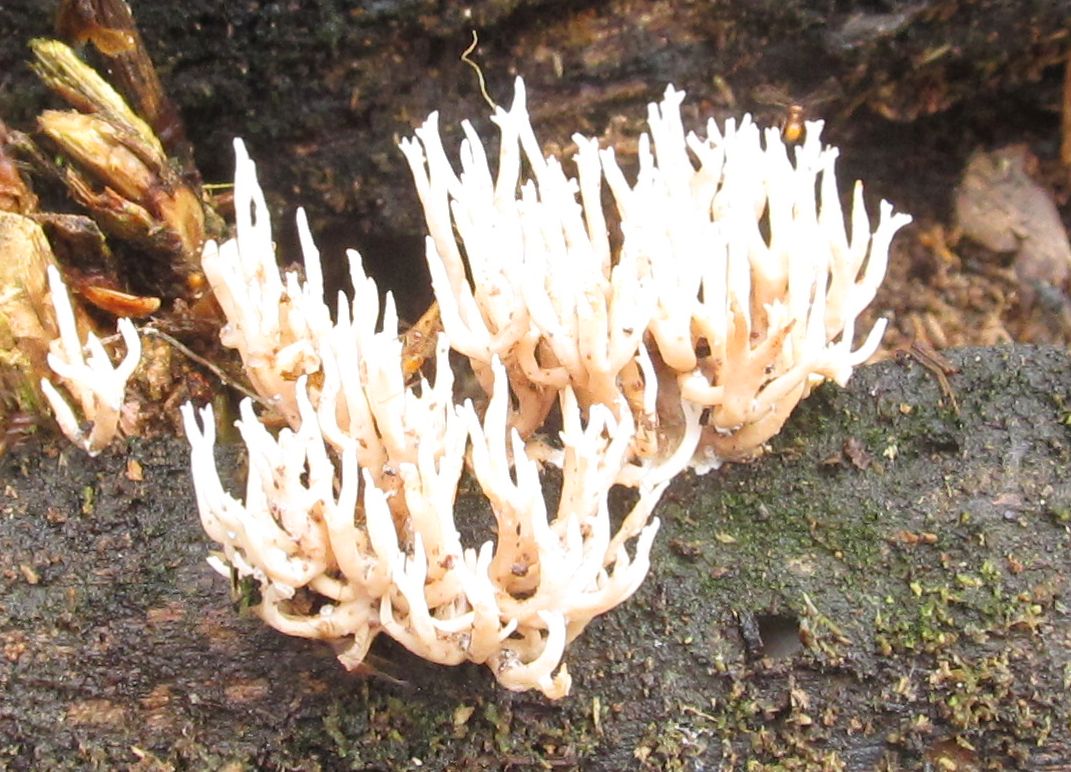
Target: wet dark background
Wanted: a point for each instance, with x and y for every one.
(322, 90)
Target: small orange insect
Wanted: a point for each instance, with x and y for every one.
(795, 111)
(419, 341)
(792, 129)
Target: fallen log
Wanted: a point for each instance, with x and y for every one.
(886, 587)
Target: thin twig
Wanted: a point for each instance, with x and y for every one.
(479, 73)
(939, 366)
(214, 369)
(182, 348)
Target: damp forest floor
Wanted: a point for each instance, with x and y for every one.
(887, 588)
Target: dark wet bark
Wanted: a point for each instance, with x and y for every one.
(322, 90)
(889, 581)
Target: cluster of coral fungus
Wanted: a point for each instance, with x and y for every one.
(733, 292)
(684, 338)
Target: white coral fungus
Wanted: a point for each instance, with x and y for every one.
(744, 287)
(732, 293)
(96, 385)
(348, 518)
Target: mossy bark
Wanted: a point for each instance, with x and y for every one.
(886, 587)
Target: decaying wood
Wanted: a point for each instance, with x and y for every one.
(886, 587)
